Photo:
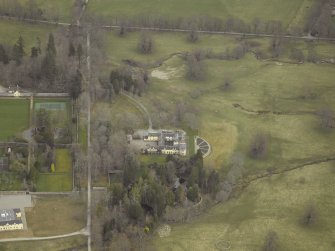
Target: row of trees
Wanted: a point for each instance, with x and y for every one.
(28, 9)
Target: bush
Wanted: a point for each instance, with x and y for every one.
(259, 146)
(135, 211)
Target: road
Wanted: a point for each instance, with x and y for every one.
(230, 33)
(89, 176)
(141, 107)
(80, 232)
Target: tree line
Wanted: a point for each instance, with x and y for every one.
(43, 70)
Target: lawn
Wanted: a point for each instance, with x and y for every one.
(61, 179)
(11, 30)
(265, 10)
(275, 203)
(63, 161)
(55, 215)
(78, 243)
(14, 114)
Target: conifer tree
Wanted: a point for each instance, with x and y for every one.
(18, 50)
(3, 55)
(51, 45)
(72, 50)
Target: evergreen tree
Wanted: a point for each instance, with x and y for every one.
(38, 40)
(49, 69)
(116, 86)
(213, 182)
(76, 84)
(18, 50)
(3, 55)
(72, 50)
(51, 45)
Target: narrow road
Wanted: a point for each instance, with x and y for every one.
(230, 33)
(140, 106)
(80, 232)
(89, 176)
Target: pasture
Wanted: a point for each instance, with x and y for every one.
(14, 114)
(286, 11)
(276, 203)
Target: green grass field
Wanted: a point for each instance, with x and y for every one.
(266, 10)
(78, 243)
(61, 179)
(275, 203)
(11, 30)
(63, 161)
(14, 114)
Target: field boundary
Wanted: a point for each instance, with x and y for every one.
(112, 27)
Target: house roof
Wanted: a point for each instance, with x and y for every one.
(8, 216)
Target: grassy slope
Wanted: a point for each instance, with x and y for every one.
(244, 9)
(11, 30)
(55, 215)
(70, 243)
(275, 203)
(14, 116)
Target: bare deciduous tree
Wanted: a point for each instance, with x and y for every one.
(327, 118)
(146, 43)
(196, 69)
